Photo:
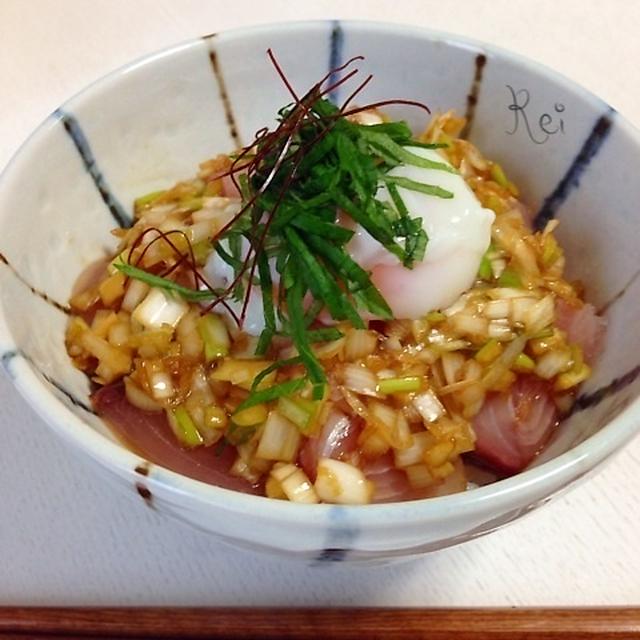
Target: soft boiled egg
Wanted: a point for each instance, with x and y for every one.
(459, 232)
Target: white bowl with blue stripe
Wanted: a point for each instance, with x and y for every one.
(150, 124)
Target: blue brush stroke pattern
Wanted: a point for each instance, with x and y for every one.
(73, 128)
(571, 178)
(41, 294)
(222, 90)
(594, 398)
(9, 356)
(341, 537)
(336, 47)
(480, 62)
(6, 358)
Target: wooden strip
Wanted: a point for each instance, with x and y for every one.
(350, 624)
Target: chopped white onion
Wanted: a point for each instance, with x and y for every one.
(500, 293)
(504, 361)
(211, 207)
(159, 308)
(453, 345)
(498, 265)
(469, 324)
(138, 398)
(242, 469)
(361, 380)
(500, 330)
(457, 306)
(552, 363)
(298, 488)
(368, 117)
(172, 224)
(415, 453)
(294, 483)
(524, 254)
(436, 337)
(392, 343)
(342, 483)
(119, 334)
(540, 315)
(419, 476)
(520, 308)
(200, 386)
(279, 440)
(360, 343)
(155, 216)
(161, 385)
(428, 406)
(134, 295)
(452, 363)
(472, 370)
(199, 231)
(496, 309)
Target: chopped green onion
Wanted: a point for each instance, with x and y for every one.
(184, 428)
(272, 393)
(143, 201)
(524, 363)
(484, 270)
(510, 278)
(237, 435)
(215, 336)
(399, 385)
(201, 251)
(489, 351)
(498, 175)
(192, 204)
(545, 333)
(299, 411)
(250, 416)
(434, 317)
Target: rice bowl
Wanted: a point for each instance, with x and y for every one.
(358, 532)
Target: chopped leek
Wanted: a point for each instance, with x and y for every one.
(279, 440)
(489, 351)
(147, 199)
(184, 428)
(498, 175)
(250, 416)
(300, 411)
(484, 270)
(399, 385)
(524, 363)
(434, 317)
(509, 278)
(215, 336)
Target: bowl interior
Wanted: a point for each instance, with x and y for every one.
(150, 124)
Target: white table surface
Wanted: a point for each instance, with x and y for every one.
(67, 538)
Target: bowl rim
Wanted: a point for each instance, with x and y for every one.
(115, 457)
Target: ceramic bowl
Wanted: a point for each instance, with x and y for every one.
(148, 125)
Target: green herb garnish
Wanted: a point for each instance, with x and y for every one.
(190, 295)
(294, 180)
